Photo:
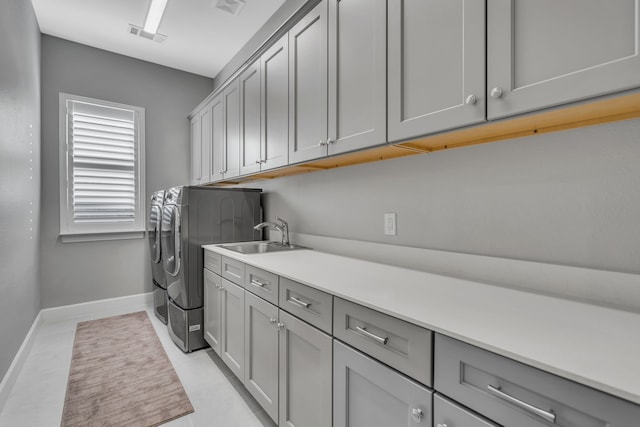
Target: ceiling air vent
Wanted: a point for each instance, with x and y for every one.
(231, 6)
(138, 31)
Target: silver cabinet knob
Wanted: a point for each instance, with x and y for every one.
(258, 162)
(273, 320)
(417, 414)
(322, 143)
(471, 99)
(496, 92)
(330, 141)
(280, 325)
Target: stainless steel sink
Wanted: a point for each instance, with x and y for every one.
(261, 247)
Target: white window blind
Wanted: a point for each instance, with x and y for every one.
(103, 160)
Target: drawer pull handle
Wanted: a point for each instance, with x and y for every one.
(300, 302)
(547, 415)
(381, 340)
(257, 283)
(417, 414)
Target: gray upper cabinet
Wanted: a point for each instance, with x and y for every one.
(274, 64)
(250, 129)
(305, 374)
(308, 86)
(357, 74)
(544, 53)
(232, 336)
(205, 149)
(196, 150)
(212, 309)
(217, 139)
(436, 66)
(261, 352)
(231, 97)
(367, 393)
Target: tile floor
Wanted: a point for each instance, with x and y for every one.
(218, 397)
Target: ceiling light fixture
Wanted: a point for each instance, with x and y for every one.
(154, 15)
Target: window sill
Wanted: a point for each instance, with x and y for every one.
(95, 237)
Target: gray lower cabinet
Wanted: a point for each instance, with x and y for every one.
(261, 352)
(232, 336)
(585, 48)
(357, 74)
(513, 394)
(436, 66)
(305, 374)
(212, 309)
(447, 413)
(308, 86)
(367, 393)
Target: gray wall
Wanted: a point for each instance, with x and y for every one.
(80, 272)
(19, 175)
(569, 198)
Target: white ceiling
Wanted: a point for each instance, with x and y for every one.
(200, 37)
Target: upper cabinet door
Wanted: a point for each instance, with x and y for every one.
(250, 157)
(357, 74)
(436, 66)
(196, 150)
(217, 139)
(546, 52)
(231, 97)
(308, 86)
(275, 105)
(205, 151)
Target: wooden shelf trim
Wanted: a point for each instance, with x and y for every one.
(585, 114)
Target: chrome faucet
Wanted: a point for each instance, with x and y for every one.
(283, 228)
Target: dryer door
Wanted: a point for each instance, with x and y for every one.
(155, 219)
(171, 239)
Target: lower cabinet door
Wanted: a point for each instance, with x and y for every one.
(305, 374)
(232, 337)
(367, 393)
(212, 314)
(261, 352)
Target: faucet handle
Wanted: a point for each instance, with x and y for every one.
(284, 223)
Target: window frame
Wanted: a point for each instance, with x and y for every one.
(70, 232)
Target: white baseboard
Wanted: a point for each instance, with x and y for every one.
(86, 310)
(18, 361)
(90, 309)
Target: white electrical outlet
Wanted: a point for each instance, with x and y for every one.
(390, 224)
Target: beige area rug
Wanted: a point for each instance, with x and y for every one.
(121, 376)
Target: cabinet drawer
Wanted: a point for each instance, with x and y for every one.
(261, 283)
(233, 270)
(309, 304)
(399, 344)
(514, 394)
(213, 262)
(449, 414)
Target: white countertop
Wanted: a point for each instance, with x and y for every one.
(592, 345)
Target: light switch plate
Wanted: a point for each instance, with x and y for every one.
(390, 224)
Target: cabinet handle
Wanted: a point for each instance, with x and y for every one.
(273, 320)
(471, 99)
(417, 414)
(547, 415)
(258, 162)
(257, 283)
(374, 337)
(299, 302)
(280, 325)
(496, 92)
(322, 143)
(442, 425)
(330, 141)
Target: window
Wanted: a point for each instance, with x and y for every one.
(101, 169)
